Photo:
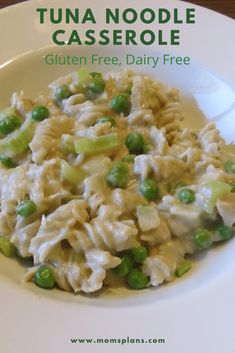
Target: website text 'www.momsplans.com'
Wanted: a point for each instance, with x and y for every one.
(122, 341)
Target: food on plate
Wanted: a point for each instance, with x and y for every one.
(100, 184)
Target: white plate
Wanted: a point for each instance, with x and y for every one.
(195, 314)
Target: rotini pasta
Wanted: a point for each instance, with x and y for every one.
(111, 184)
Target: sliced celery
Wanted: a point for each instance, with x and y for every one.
(74, 175)
(7, 112)
(97, 145)
(129, 158)
(67, 144)
(83, 78)
(18, 141)
(148, 217)
(211, 192)
(6, 247)
(183, 267)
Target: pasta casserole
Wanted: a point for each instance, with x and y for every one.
(100, 184)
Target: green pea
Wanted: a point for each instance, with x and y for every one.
(26, 208)
(44, 277)
(121, 103)
(118, 175)
(180, 184)
(229, 167)
(9, 124)
(137, 279)
(139, 254)
(129, 158)
(40, 113)
(6, 247)
(232, 187)
(183, 267)
(106, 119)
(135, 142)
(97, 85)
(202, 238)
(62, 92)
(224, 232)
(149, 189)
(7, 162)
(124, 267)
(186, 195)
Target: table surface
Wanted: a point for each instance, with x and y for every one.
(226, 7)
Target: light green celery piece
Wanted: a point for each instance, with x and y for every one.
(18, 141)
(6, 247)
(74, 175)
(83, 78)
(129, 158)
(148, 217)
(211, 192)
(183, 267)
(7, 112)
(67, 144)
(97, 145)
